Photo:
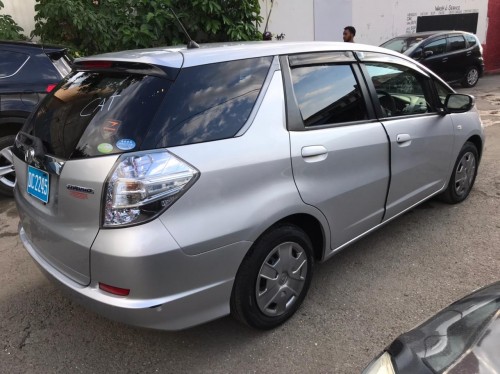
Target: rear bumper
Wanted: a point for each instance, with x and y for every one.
(197, 303)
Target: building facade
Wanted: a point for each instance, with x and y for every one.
(379, 20)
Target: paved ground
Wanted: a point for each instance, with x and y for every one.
(358, 302)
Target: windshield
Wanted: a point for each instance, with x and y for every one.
(96, 113)
(401, 45)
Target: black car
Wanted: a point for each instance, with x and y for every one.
(462, 338)
(456, 56)
(28, 71)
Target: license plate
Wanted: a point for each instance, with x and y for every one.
(38, 184)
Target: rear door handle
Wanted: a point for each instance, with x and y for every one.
(445, 59)
(314, 153)
(469, 53)
(403, 138)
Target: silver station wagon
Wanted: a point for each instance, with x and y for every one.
(168, 187)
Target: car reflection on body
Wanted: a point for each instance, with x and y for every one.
(462, 338)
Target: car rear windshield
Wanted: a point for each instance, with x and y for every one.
(95, 113)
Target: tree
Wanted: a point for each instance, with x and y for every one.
(96, 26)
(9, 29)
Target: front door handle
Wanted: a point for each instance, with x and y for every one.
(314, 153)
(445, 59)
(403, 138)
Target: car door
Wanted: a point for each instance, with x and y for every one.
(339, 151)
(435, 58)
(421, 139)
(457, 57)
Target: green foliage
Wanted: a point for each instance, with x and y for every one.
(9, 29)
(97, 26)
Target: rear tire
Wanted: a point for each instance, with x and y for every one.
(7, 174)
(464, 175)
(471, 77)
(274, 278)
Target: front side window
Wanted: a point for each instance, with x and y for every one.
(401, 91)
(436, 47)
(328, 94)
(442, 91)
(456, 43)
(11, 62)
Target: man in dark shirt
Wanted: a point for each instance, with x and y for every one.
(349, 34)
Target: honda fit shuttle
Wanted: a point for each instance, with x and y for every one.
(168, 187)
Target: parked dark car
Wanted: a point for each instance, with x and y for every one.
(28, 71)
(456, 56)
(462, 338)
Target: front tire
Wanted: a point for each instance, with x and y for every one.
(471, 77)
(7, 174)
(274, 278)
(464, 175)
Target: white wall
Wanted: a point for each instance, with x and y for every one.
(22, 11)
(375, 20)
(294, 18)
(378, 21)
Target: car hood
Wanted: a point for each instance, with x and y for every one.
(462, 338)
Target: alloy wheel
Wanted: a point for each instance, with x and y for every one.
(7, 173)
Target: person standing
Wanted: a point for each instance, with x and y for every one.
(349, 34)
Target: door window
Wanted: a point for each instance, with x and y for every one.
(11, 62)
(436, 47)
(471, 39)
(401, 91)
(456, 43)
(442, 91)
(328, 94)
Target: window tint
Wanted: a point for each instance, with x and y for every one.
(456, 43)
(400, 90)
(208, 102)
(10, 62)
(437, 47)
(471, 39)
(93, 113)
(328, 94)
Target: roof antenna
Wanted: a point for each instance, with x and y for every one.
(191, 44)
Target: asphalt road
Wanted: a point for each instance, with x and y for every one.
(359, 301)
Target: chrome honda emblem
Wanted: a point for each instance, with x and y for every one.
(29, 155)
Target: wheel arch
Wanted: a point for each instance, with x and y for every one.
(11, 125)
(477, 141)
(312, 226)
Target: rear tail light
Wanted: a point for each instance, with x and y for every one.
(50, 87)
(143, 185)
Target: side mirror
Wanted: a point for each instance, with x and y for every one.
(428, 54)
(459, 103)
(418, 54)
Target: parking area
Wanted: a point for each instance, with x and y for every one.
(359, 301)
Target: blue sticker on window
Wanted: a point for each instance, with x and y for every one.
(125, 144)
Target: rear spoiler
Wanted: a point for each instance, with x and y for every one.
(166, 72)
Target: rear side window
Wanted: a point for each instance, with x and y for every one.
(11, 62)
(97, 113)
(328, 94)
(471, 39)
(456, 43)
(208, 102)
